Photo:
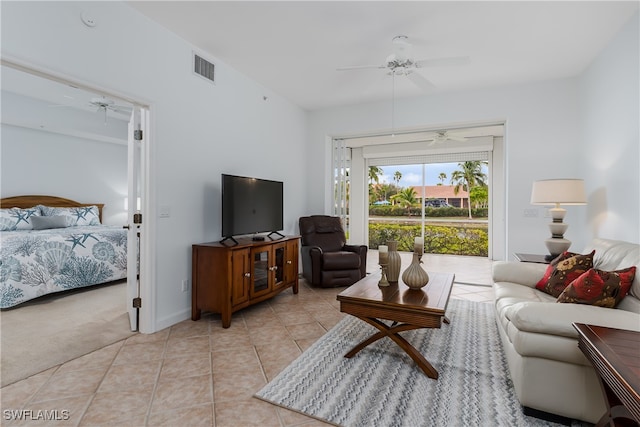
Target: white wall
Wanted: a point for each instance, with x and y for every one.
(63, 152)
(610, 108)
(199, 130)
(542, 131)
(41, 162)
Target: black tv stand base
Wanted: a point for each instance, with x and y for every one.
(229, 238)
(281, 236)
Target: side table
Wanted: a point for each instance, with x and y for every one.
(538, 259)
(616, 360)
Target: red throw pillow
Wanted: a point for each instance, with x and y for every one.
(563, 270)
(601, 288)
(551, 267)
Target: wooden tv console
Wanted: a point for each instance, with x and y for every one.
(228, 277)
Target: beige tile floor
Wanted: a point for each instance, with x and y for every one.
(197, 373)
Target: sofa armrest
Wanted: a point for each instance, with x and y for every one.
(556, 319)
(522, 273)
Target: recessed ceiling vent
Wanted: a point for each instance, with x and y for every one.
(203, 68)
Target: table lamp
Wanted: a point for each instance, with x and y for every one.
(558, 192)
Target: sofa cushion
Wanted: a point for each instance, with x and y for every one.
(563, 270)
(597, 287)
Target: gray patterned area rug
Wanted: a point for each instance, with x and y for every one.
(382, 386)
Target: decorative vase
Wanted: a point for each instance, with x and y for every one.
(414, 276)
(393, 266)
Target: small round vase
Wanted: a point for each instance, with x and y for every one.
(414, 276)
(393, 267)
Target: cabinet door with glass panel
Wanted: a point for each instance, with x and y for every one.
(268, 268)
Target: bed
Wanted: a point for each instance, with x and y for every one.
(51, 244)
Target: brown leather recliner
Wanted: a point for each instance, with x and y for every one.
(327, 261)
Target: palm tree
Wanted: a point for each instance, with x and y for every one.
(406, 198)
(468, 176)
(397, 175)
(374, 177)
(442, 176)
(374, 174)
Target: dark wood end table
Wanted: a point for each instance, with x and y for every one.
(615, 355)
(408, 309)
(535, 258)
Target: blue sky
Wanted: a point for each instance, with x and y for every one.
(412, 174)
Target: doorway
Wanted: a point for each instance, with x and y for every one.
(52, 103)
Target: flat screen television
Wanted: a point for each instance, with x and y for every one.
(250, 206)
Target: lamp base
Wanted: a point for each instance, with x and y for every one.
(556, 246)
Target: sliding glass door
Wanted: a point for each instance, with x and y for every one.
(445, 203)
(450, 192)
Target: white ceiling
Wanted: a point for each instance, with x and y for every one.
(294, 47)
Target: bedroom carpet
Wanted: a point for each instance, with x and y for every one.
(382, 386)
(47, 332)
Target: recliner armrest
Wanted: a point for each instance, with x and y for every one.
(361, 250)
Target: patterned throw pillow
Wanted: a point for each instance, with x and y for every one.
(85, 215)
(600, 288)
(17, 219)
(563, 270)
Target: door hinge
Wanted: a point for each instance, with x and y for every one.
(137, 135)
(137, 302)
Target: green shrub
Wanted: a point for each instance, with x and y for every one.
(416, 211)
(449, 240)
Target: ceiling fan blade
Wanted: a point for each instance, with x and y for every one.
(420, 81)
(457, 138)
(361, 67)
(437, 62)
(121, 109)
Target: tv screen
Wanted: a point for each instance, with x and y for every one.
(250, 205)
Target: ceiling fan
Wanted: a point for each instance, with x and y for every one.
(442, 136)
(102, 104)
(105, 104)
(402, 62)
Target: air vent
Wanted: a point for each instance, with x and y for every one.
(203, 68)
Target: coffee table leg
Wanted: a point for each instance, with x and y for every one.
(392, 332)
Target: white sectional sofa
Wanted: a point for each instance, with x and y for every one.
(549, 371)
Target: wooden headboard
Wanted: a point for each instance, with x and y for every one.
(53, 201)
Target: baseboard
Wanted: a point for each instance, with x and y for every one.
(172, 319)
(547, 416)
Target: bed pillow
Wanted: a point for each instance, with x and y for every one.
(84, 215)
(17, 218)
(563, 270)
(601, 288)
(47, 222)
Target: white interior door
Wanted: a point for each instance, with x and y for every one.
(134, 215)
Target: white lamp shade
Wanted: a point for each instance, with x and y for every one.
(558, 191)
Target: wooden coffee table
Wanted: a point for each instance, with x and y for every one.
(408, 309)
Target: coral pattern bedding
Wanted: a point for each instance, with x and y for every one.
(63, 248)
